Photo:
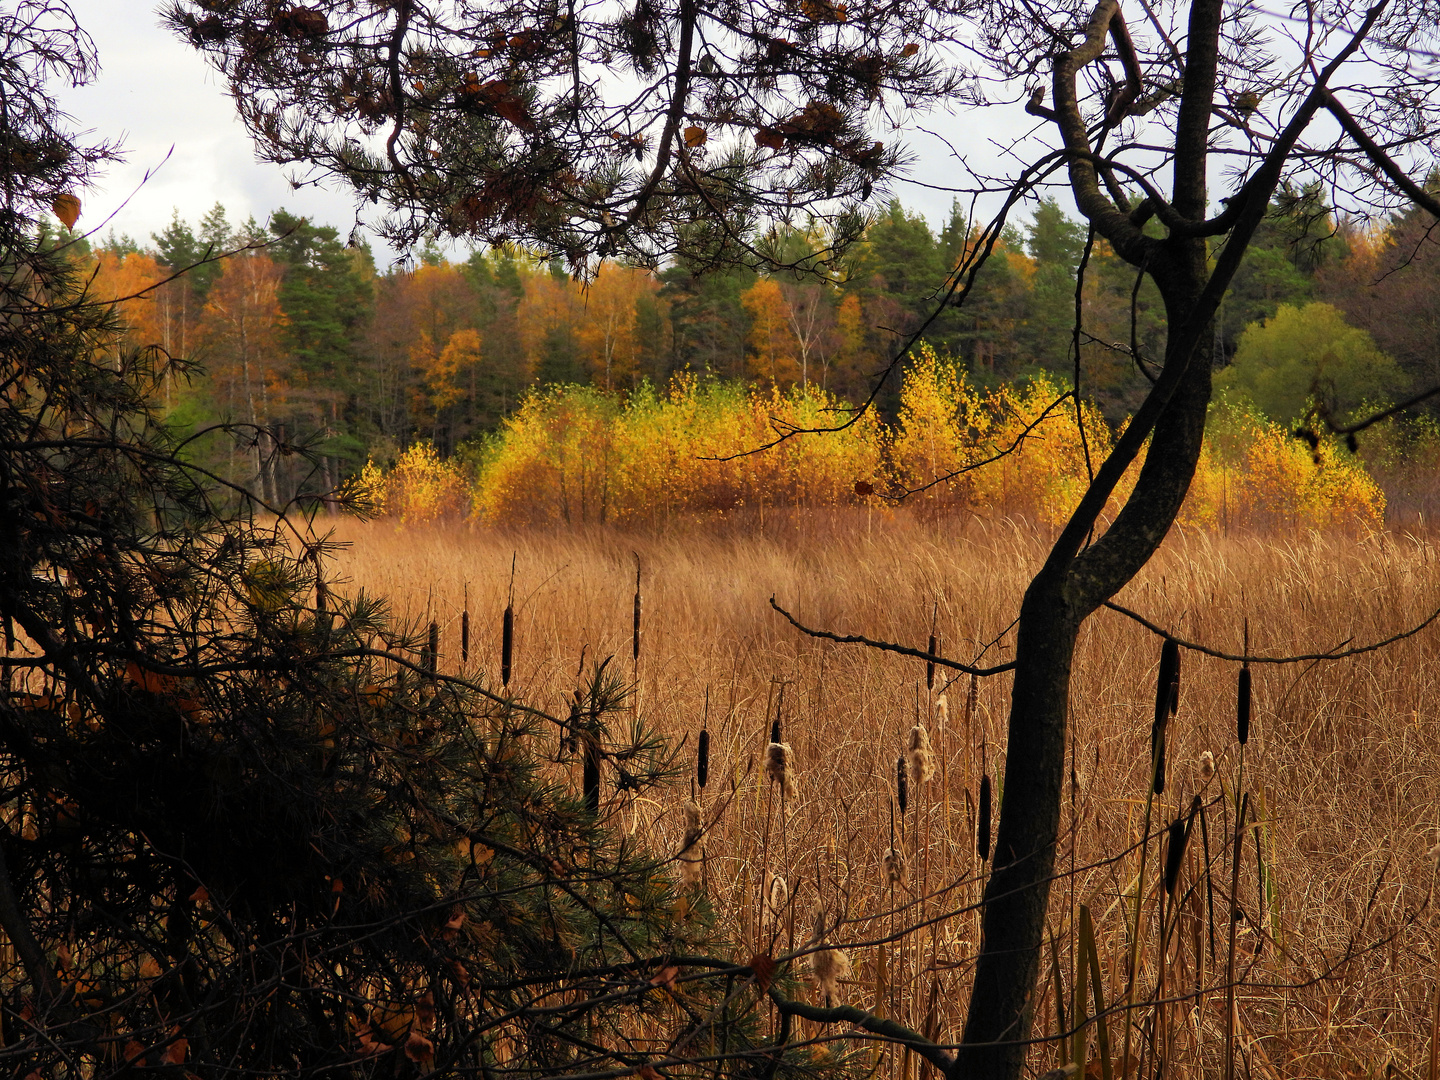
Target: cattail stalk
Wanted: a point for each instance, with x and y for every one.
(1167, 698)
(507, 629)
(1239, 850)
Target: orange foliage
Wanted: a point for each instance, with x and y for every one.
(240, 335)
(124, 279)
(607, 330)
(772, 344)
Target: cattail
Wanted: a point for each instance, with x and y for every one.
(942, 713)
(780, 767)
(930, 664)
(775, 728)
(432, 655)
(635, 627)
(894, 867)
(692, 847)
(1205, 768)
(1167, 696)
(1242, 707)
(776, 894)
(465, 636)
(507, 643)
(902, 792)
(1179, 836)
(591, 781)
(922, 758)
(507, 629)
(828, 966)
(702, 759)
(971, 699)
(982, 831)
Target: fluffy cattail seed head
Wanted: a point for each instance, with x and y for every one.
(1205, 767)
(942, 713)
(894, 867)
(776, 894)
(692, 848)
(922, 757)
(829, 967)
(780, 767)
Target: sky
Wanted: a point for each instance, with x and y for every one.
(179, 126)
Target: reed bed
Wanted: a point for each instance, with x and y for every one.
(1334, 953)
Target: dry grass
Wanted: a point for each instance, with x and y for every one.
(1343, 758)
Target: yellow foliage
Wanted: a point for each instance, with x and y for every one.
(1255, 473)
(577, 455)
(422, 487)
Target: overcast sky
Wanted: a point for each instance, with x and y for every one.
(159, 96)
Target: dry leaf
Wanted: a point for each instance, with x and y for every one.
(67, 209)
(763, 967)
(910, 49)
(768, 136)
(695, 136)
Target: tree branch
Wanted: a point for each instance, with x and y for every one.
(887, 1029)
(1220, 654)
(919, 654)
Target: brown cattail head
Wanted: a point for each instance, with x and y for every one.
(1178, 837)
(465, 636)
(507, 643)
(982, 829)
(922, 757)
(930, 664)
(775, 728)
(692, 847)
(1167, 692)
(1242, 707)
(702, 759)
(780, 767)
(894, 867)
(591, 779)
(635, 626)
(902, 790)
(432, 655)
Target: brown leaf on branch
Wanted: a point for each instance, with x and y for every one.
(768, 136)
(67, 209)
(762, 966)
